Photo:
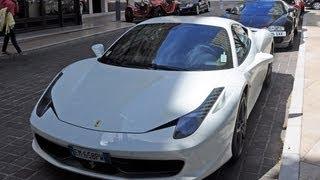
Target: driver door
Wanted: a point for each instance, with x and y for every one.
(243, 46)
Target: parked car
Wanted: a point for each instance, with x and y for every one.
(151, 8)
(315, 4)
(277, 16)
(163, 101)
(194, 6)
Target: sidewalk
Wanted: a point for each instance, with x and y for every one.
(301, 152)
(92, 25)
(310, 136)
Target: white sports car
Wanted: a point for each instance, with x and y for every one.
(169, 99)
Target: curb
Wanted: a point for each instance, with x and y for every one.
(88, 16)
(290, 165)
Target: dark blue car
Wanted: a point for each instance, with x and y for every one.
(277, 16)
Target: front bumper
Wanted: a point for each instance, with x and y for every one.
(201, 153)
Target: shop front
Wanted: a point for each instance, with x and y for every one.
(40, 14)
(99, 6)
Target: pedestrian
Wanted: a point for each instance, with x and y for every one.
(8, 9)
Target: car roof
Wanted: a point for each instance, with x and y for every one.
(210, 21)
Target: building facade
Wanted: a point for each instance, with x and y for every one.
(39, 14)
(99, 6)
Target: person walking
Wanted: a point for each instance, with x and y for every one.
(8, 9)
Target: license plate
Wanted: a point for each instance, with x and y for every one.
(90, 155)
(279, 33)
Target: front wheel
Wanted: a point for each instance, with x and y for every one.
(240, 129)
(290, 45)
(316, 5)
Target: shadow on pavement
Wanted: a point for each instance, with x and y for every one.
(263, 146)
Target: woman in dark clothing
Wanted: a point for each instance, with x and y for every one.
(12, 7)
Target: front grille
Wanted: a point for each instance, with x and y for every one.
(129, 168)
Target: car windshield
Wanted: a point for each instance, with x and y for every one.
(172, 46)
(263, 8)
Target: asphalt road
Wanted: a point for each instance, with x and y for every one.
(23, 79)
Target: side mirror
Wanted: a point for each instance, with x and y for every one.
(98, 49)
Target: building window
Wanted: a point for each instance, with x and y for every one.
(68, 7)
(51, 7)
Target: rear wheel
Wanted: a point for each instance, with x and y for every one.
(267, 80)
(316, 5)
(129, 15)
(239, 129)
(290, 45)
(296, 31)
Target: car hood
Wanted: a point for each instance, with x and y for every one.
(257, 21)
(96, 96)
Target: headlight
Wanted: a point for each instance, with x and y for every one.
(46, 101)
(189, 123)
(276, 28)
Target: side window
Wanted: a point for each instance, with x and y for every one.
(242, 42)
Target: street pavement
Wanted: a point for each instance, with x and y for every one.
(23, 79)
(310, 134)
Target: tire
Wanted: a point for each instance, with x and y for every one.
(239, 129)
(296, 31)
(268, 78)
(290, 45)
(316, 5)
(129, 15)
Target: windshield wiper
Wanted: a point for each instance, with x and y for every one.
(166, 67)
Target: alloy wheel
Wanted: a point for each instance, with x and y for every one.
(240, 130)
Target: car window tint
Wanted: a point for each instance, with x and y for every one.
(242, 42)
(181, 46)
(263, 8)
